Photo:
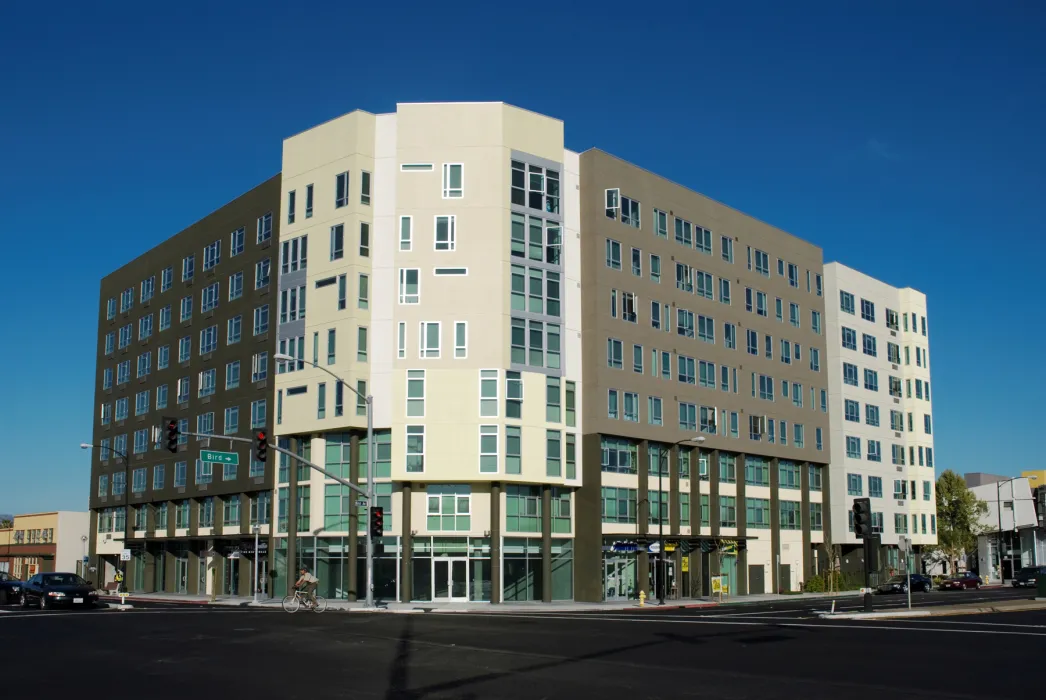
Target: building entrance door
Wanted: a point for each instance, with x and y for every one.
(450, 579)
(617, 584)
(232, 576)
(181, 575)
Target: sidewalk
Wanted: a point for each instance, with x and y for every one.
(455, 607)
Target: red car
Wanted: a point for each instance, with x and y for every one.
(967, 579)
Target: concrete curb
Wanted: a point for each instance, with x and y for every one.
(944, 611)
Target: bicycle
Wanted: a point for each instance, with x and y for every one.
(294, 602)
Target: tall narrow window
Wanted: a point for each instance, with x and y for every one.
(308, 201)
(321, 400)
(341, 190)
(361, 344)
(364, 240)
(364, 187)
(337, 242)
(406, 228)
(446, 235)
(331, 345)
(460, 340)
(291, 197)
(453, 185)
(401, 340)
(363, 301)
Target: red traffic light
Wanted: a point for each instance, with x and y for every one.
(261, 446)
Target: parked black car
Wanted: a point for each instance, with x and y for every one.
(1027, 576)
(46, 590)
(961, 582)
(10, 588)
(899, 584)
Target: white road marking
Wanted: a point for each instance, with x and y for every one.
(119, 613)
(958, 622)
(762, 613)
(747, 623)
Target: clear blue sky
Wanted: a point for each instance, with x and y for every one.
(904, 138)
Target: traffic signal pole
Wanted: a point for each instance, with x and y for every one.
(368, 493)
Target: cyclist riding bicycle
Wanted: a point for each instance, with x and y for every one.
(309, 583)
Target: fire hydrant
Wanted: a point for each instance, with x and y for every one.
(642, 598)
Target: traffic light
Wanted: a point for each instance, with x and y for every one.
(172, 435)
(863, 517)
(377, 522)
(261, 447)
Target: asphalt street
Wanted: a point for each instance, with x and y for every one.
(777, 650)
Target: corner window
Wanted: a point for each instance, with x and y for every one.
(453, 186)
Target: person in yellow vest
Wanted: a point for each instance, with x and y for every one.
(119, 581)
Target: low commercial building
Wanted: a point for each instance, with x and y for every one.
(1012, 534)
(44, 542)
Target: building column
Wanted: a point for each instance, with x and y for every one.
(588, 525)
(672, 464)
(406, 543)
(808, 556)
(694, 558)
(775, 527)
(246, 564)
(292, 517)
(742, 524)
(352, 572)
(643, 516)
(495, 542)
(149, 555)
(546, 543)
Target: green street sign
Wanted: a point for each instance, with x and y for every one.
(219, 457)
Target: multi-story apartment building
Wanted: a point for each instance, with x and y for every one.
(438, 249)
(186, 331)
(878, 366)
(698, 322)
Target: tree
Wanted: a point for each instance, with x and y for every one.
(6, 523)
(958, 516)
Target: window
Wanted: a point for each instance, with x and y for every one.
(686, 367)
(612, 203)
(410, 289)
(261, 273)
(724, 290)
(854, 485)
(630, 212)
(849, 338)
(631, 412)
(685, 323)
(232, 374)
(513, 395)
(637, 262)
(875, 453)
(790, 516)
(166, 278)
(428, 339)
(853, 447)
(294, 254)
(852, 411)
(364, 187)
(121, 408)
(612, 404)
(849, 374)
(148, 288)
(927, 424)
(415, 453)
(208, 340)
(453, 187)
(416, 392)
(614, 354)
(871, 380)
(264, 228)
(687, 417)
(846, 302)
(337, 241)
(258, 411)
(613, 254)
(207, 382)
(868, 342)
(793, 276)
(259, 366)
(867, 310)
(446, 235)
(727, 511)
(760, 304)
(762, 263)
(342, 291)
(321, 401)
(341, 190)
(871, 415)
(553, 400)
(793, 314)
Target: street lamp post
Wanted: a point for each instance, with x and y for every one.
(257, 531)
(283, 357)
(661, 514)
(1013, 510)
(126, 501)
